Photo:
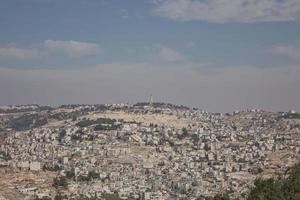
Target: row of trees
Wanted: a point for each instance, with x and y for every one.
(88, 122)
(291, 116)
(27, 121)
(36, 108)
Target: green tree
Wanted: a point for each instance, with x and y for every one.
(70, 174)
(184, 132)
(93, 175)
(280, 189)
(268, 189)
(60, 182)
(59, 197)
(61, 135)
(221, 197)
(291, 185)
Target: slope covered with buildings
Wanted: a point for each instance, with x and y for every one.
(142, 151)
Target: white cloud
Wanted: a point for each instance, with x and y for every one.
(221, 11)
(169, 55)
(18, 53)
(292, 50)
(73, 48)
(124, 13)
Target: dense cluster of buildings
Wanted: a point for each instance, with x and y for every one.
(205, 154)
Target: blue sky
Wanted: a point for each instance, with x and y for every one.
(206, 38)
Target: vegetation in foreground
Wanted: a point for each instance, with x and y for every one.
(273, 189)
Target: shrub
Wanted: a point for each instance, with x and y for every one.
(60, 182)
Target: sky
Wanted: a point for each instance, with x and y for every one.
(217, 55)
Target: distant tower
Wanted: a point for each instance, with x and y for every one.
(151, 100)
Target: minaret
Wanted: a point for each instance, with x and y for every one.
(151, 100)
